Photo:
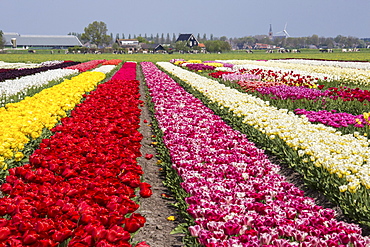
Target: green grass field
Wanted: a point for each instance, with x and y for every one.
(44, 55)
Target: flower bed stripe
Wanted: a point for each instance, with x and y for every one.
(20, 122)
(237, 197)
(335, 162)
(356, 76)
(13, 74)
(334, 119)
(20, 87)
(7, 66)
(82, 67)
(80, 183)
(338, 64)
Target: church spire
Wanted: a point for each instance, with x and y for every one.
(270, 32)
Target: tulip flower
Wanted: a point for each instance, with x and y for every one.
(80, 182)
(236, 193)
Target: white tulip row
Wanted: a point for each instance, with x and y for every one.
(5, 65)
(9, 88)
(105, 68)
(332, 73)
(338, 64)
(51, 63)
(244, 65)
(346, 156)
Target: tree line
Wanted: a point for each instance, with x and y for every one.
(96, 34)
(313, 41)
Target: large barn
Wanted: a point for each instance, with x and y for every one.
(15, 40)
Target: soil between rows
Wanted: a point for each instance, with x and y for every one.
(156, 209)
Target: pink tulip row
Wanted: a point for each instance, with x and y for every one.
(240, 77)
(237, 196)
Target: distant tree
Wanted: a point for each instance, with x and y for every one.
(352, 42)
(168, 40)
(142, 40)
(96, 33)
(129, 36)
(217, 46)
(123, 36)
(362, 43)
(115, 46)
(117, 37)
(174, 38)
(204, 37)
(315, 40)
(223, 38)
(2, 40)
(145, 37)
(182, 46)
(134, 36)
(211, 37)
(156, 40)
(198, 37)
(338, 39)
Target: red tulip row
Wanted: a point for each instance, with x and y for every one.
(112, 62)
(80, 183)
(82, 67)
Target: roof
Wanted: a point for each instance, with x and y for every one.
(42, 40)
(152, 46)
(184, 37)
(202, 45)
(148, 46)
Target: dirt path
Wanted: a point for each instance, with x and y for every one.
(156, 209)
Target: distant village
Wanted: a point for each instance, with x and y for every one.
(183, 42)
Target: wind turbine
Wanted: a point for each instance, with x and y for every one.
(285, 32)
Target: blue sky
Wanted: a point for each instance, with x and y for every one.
(233, 18)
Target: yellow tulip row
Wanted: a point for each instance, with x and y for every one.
(22, 121)
(346, 156)
(215, 64)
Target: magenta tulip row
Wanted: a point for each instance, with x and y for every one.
(237, 196)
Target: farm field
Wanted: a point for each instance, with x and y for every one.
(221, 131)
(44, 55)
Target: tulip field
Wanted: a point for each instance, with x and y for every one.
(70, 143)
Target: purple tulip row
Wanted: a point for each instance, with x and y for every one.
(237, 196)
(199, 66)
(16, 73)
(288, 92)
(333, 119)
